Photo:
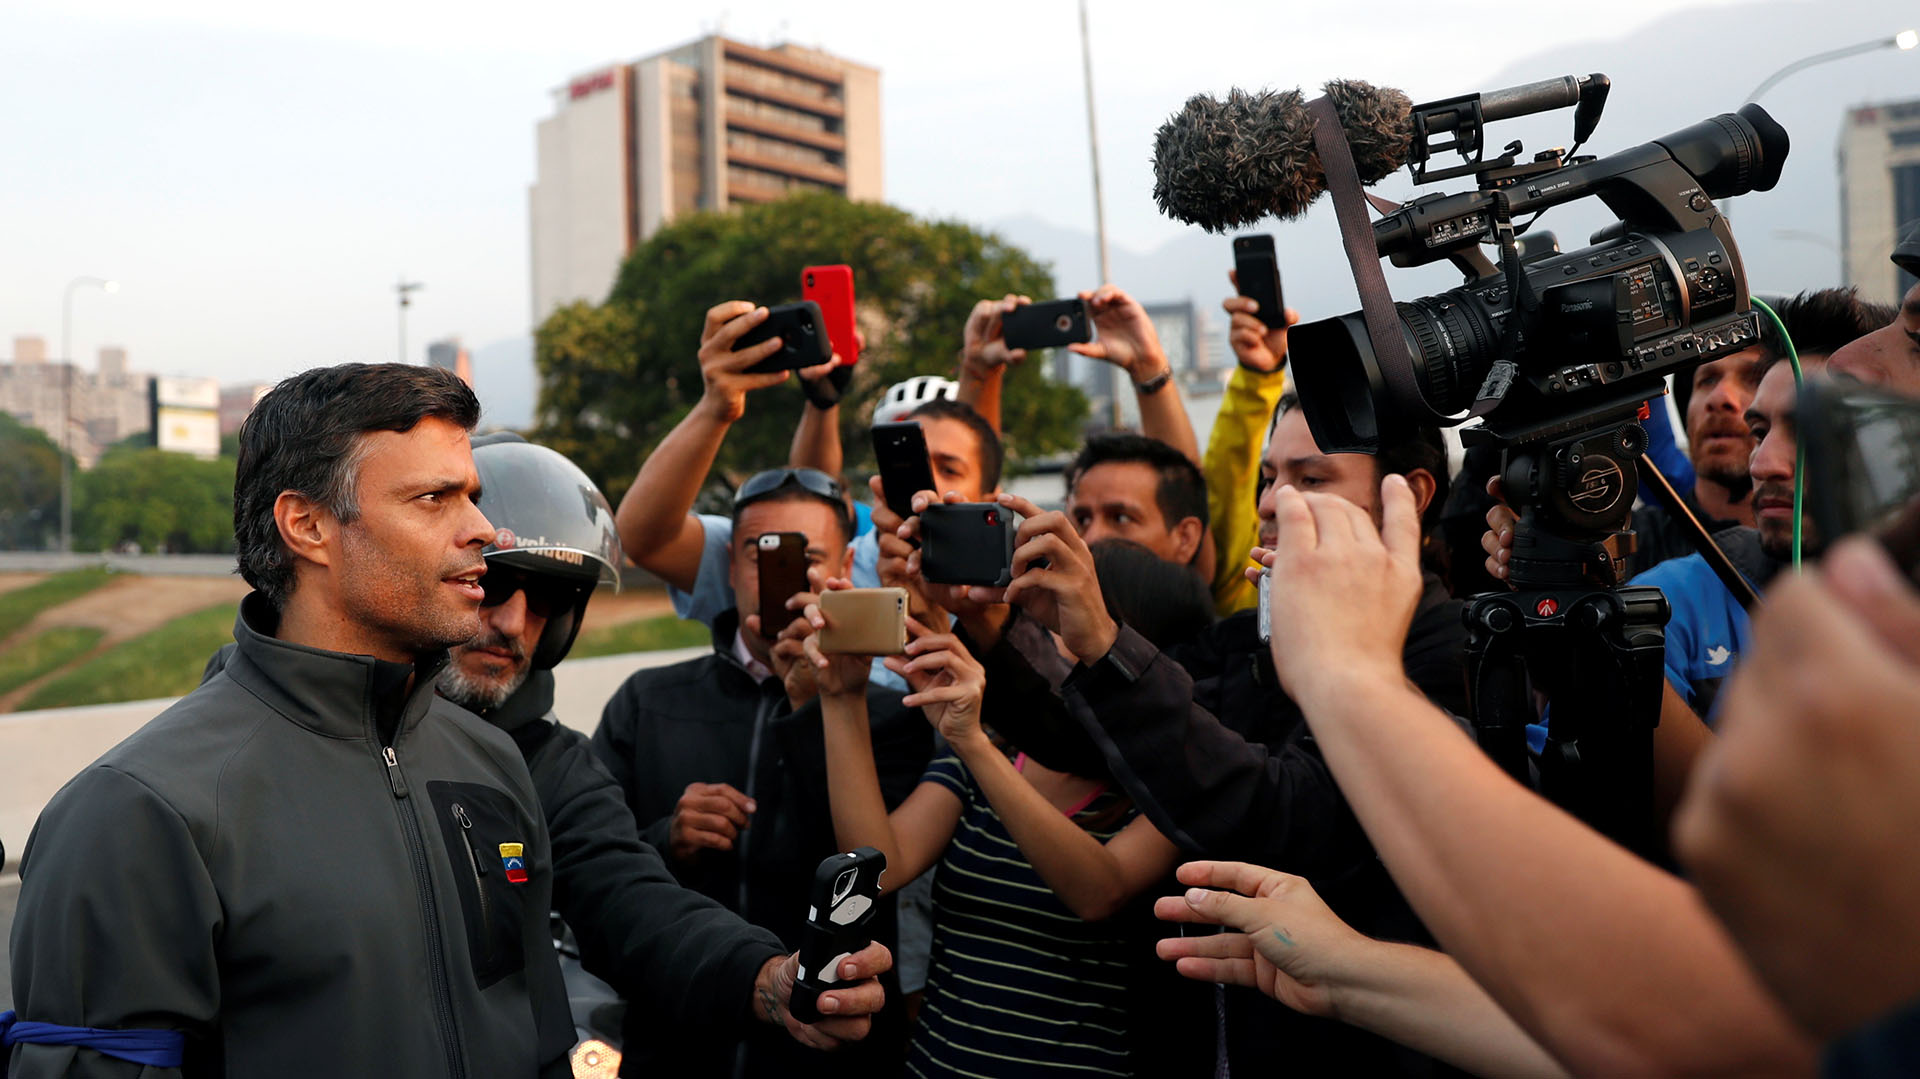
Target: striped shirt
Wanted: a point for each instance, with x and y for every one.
(1019, 986)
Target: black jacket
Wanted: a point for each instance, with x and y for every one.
(673, 953)
(308, 872)
(1220, 759)
(708, 721)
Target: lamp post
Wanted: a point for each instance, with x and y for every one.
(405, 288)
(1905, 41)
(66, 403)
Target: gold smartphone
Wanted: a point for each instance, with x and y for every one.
(864, 621)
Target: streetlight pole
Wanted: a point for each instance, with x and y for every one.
(405, 288)
(1905, 40)
(1099, 204)
(66, 403)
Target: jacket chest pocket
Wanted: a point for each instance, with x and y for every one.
(488, 848)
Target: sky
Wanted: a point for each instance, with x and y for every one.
(256, 177)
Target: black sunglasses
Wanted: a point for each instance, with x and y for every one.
(546, 597)
(811, 480)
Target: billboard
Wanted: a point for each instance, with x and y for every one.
(186, 415)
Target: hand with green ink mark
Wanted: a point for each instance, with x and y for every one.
(1289, 945)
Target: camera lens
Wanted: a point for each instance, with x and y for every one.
(993, 517)
(1063, 323)
(809, 280)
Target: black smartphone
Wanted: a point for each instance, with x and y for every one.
(1047, 325)
(802, 331)
(900, 450)
(841, 905)
(1863, 463)
(1258, 272)
(967, 543)
(783, 573)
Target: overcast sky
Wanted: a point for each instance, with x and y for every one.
(256, 175)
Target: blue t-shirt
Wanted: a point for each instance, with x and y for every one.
(712, 593)
(1707, 634)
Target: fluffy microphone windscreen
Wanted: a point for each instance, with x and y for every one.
(1227, 164)
(1378, 121)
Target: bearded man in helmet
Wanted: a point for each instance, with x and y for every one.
(673, 953)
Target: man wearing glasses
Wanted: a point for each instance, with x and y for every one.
(727, 774)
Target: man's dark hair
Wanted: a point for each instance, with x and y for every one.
(307, 435)
(1418, 447)
(1182, 492)
(992, 455)
(1819, 321)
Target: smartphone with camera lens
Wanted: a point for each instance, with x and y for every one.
(1047, 325)
(841, 903)
(802, 331)
(782, 565)
(832, 288)
(967, 543)
(1257, 272)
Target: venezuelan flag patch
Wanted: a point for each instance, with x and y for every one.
(513, 856)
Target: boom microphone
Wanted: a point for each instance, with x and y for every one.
(1227, 164)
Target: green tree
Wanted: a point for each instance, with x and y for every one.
(616, 377)
(29, 486)
(156, 499)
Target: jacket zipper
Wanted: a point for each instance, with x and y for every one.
(430, 914)
(479, 883)
(760, 717)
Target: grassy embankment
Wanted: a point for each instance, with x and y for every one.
(27, 658)
(166, 662)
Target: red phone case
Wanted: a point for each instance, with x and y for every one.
(832, 288)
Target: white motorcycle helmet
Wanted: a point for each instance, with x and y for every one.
(903, 397)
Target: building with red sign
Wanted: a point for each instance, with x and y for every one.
(700, 127)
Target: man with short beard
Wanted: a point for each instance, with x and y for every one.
(1708, 628)
(670, 951)
(1714, 400)
(310, 865)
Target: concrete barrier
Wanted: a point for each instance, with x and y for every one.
(40, 751)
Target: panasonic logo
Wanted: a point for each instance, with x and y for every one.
(1583, 305)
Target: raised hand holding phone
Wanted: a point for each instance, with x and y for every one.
(1054, 580)
(947, 683)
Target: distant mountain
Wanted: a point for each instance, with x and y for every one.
(505, 382)
(1666, 76)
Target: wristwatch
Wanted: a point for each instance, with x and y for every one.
(1155, 384)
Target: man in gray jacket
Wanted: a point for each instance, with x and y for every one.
(311, 865)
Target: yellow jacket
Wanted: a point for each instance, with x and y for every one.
(1232, 468)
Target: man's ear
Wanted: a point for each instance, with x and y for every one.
(1187, 537)
(1423, 485)
(306, 527)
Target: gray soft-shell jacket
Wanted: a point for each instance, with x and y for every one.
(262, 868)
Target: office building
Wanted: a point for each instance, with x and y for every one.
(29, 350)
(1879, 195)
(700, 127)
(451, 355)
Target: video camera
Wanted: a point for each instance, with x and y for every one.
(1556, 352)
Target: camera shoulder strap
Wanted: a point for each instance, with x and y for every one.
(1363, 256)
